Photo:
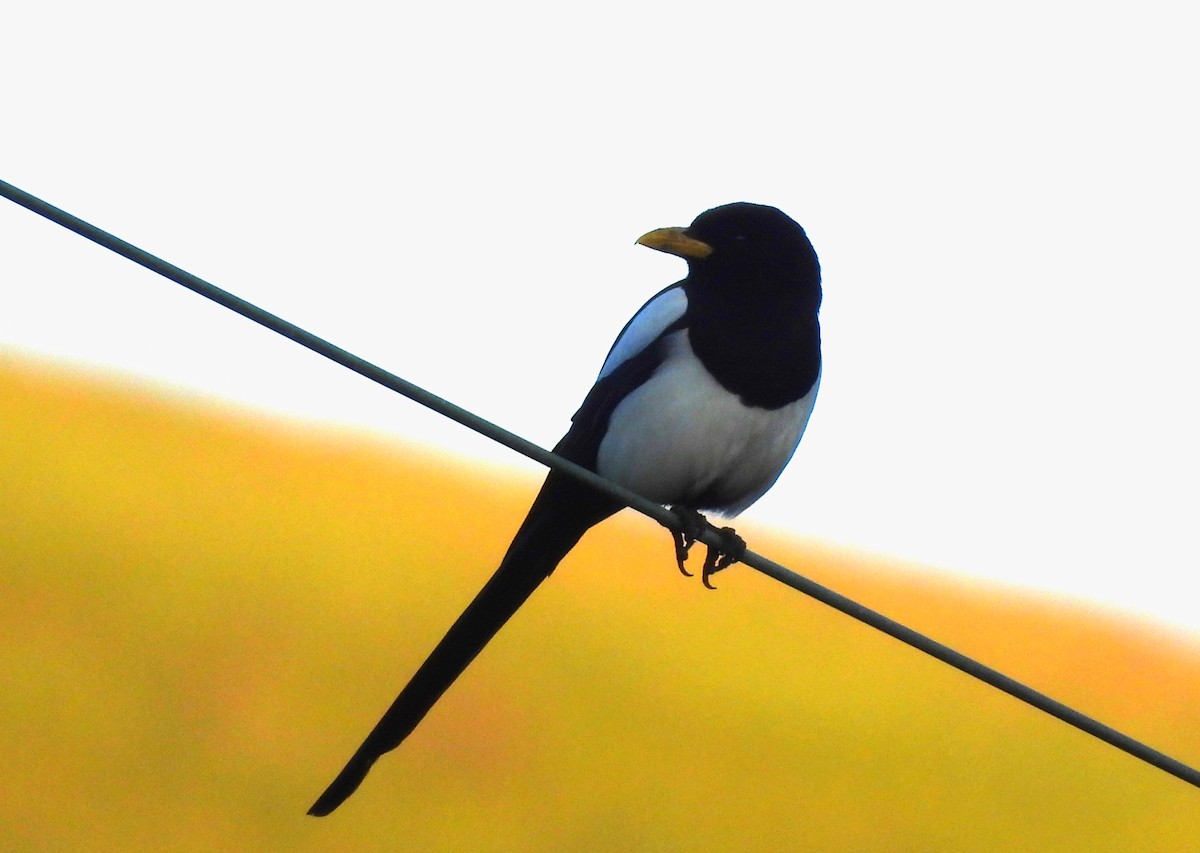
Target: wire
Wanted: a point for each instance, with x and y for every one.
(662, 515)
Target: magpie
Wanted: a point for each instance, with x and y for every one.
(699, 405)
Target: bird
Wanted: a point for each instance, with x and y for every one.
(699, 405)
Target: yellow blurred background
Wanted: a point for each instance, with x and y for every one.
(204, 612)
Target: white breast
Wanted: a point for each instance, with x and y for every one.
(681, 435)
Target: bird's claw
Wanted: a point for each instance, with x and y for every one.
(730, 550)
(683, 544)
(693, 524)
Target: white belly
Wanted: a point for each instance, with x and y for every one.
(681, 436)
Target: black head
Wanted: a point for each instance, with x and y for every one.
(753, 239)
(744, 245)
(753, 293)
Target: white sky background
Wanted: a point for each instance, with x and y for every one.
(1004, 200)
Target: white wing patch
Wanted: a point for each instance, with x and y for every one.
(647, 324)
(681, 435)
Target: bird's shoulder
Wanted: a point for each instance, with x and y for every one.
(662, 313)
(639, 350)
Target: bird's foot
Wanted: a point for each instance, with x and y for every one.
(694, 524)
(730, 551)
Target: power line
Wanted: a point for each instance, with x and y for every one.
(663, 516)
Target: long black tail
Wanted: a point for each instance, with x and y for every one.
(562, 513)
